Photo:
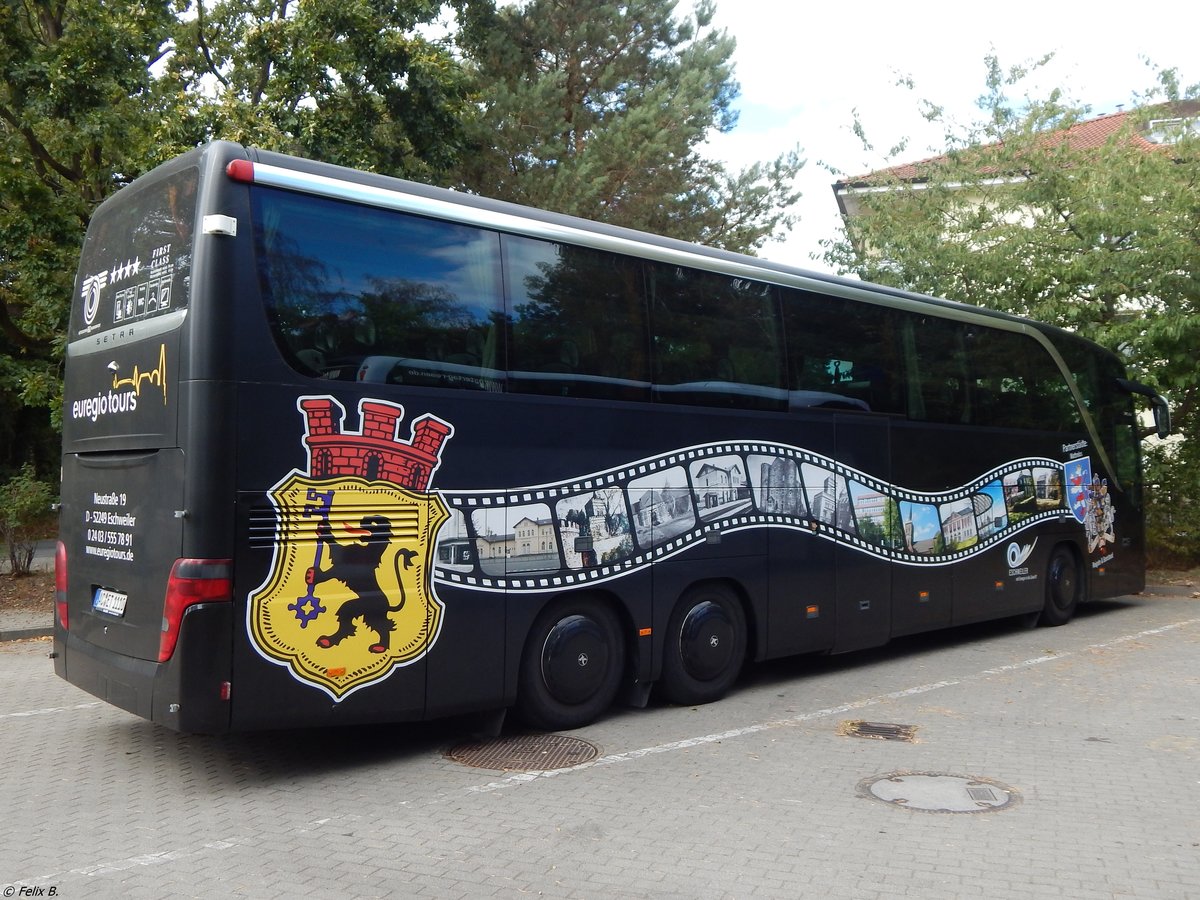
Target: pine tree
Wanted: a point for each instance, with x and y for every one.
(601, 109)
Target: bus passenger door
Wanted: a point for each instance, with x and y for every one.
(802, 588)
(864, 575)
(922, 598)
(801, 570)
(923, 594)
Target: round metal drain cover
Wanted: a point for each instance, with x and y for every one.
(935, 792)
(525, 753)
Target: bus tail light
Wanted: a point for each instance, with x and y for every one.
(60, 583)
(192, 581)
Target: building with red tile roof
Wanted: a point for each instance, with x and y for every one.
(1153, 130)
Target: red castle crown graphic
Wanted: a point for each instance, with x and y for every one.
(376, 453)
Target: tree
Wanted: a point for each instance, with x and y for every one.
(76, 121)
(870, 530)
(24, 514)
(599, 108)
(893, 525)
(1100, 238)
(351, 82)
(94, 93)
(939, 544)
(577, 116)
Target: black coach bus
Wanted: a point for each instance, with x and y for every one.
(340, 448)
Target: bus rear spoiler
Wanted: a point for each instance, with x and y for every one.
(1162, 412)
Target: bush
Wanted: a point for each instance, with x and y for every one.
(25, 515)
(1172, 507)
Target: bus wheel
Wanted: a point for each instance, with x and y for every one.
(1064, 586)
(705, 646)
(572, 664)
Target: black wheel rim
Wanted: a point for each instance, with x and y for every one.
(1063, 582)
(575, 659)
(706, 640)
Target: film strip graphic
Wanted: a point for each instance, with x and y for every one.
(608, 524)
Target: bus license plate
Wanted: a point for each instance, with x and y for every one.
(111, 602)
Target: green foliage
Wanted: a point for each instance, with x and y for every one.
(593, 107)
(1173, 510)
(870, 530)
(599, 109)
(75, 108)
(893, 524)
(618, 553)
(345, 81)
(93, 93)
(1102, 240)
(25, 515)
(939, 544)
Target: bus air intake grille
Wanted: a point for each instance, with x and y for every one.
(263, 525)
(525, 753)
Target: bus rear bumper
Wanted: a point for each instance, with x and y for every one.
(188, 693)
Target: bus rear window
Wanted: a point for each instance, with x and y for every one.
(136, 262)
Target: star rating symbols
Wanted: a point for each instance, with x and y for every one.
(128, 268)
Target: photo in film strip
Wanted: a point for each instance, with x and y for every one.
(604, 525)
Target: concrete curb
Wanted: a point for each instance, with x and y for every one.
(24, 634)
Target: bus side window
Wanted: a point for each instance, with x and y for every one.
(1053, 406)
(935, 357)
(1112, 411)
(360, 293)
(1016, 384)
(841, 354)
(716, 339)
(578, 321)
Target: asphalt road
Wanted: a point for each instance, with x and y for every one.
(1074, 752)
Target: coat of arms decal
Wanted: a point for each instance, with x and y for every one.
(349, 596)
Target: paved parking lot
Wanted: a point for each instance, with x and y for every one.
(1091, 733)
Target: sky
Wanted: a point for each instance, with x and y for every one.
(804, 68)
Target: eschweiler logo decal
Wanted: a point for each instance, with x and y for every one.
(349, 596)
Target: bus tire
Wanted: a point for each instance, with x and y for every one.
(705, 646)
(571, 666)
(1064, 587)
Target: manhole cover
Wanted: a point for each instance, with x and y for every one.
(525, 753)
(935, 792)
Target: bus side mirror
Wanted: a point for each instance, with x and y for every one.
(1162, 416)
(1162, 412)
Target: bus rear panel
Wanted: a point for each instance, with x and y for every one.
(131, 444)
